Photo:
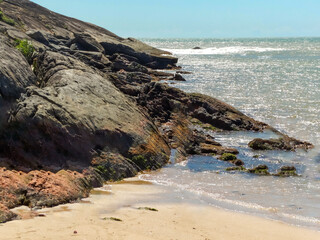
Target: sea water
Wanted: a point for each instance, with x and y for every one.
(276, 81)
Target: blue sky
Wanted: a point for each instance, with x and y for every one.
(196, 18)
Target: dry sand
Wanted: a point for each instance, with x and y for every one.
(174, 219)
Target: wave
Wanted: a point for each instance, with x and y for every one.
(222, 50)
(219, 201)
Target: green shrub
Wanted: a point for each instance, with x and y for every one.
(25, 48)
(6, 19)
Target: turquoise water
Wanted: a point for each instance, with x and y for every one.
(276, 81)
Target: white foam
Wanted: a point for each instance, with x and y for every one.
(222, 50)
(302, 218)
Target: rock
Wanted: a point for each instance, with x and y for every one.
(287, 171)
(217, 150)
(5, 214)
(38, 36)
(134, 77)
(16, 34)
(75, 113)
(205, 109)
(159, 75)
(228, 157)
(283, 143)
(266, 144)
(146, 55)
(15, 73)
(238, 162)
(236, 168)
(85, 42)
(232, 158)
(94, 59)
(183, 72)
(260, 170)
(196, 48)
(119, 62)
(178, 77)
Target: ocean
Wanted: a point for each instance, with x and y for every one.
(276, 81)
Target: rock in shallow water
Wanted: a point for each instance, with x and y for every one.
(282, 143)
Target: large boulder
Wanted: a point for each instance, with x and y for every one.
(76, 116)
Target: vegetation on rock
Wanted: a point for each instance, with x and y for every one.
(6, 19)
(260, 170)
(228, 157)
(141, 162)
(287, 171)
(26, 48)
(236, 168)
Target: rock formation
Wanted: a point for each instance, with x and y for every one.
(80, 105)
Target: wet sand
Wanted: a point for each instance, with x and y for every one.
(135, 210)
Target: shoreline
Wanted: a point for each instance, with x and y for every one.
(145, 211)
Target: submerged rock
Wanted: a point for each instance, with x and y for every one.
(282, 143)
(183, 72)
(236, 168)
(287, 171)
(178, 77)
(232, 158)
(267, 144)
(217, 150)
(260, 170)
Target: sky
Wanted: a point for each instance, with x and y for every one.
(196, 18)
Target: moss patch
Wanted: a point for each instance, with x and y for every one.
(260, 170)
(141, 162)
(287, 171)
(228, 157)
(6, 19)
(236, 168)
(206, 126)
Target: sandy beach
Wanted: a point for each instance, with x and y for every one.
(138, 210)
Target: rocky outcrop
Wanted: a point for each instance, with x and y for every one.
(162, 101)
(86, 108)
(71, 118)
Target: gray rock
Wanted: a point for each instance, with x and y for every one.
(119, 62)
(38, 36)
(85, 42)
(15, 73)
(76, 113)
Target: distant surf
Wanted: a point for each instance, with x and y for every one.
(222, 50)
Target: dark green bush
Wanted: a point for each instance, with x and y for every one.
(26, 49)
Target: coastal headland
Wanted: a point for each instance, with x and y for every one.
(81, 106)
